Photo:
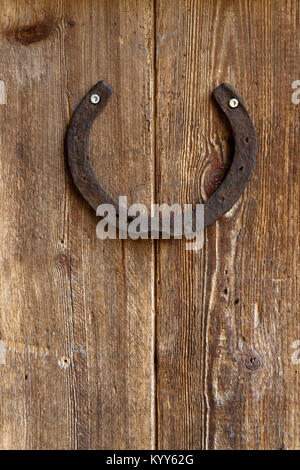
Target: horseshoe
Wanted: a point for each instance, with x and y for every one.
(220, 202)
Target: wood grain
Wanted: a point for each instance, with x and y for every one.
(76, 313)
(227, 316)
(135, 345)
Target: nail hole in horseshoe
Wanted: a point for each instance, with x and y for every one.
(247, 140)
(241, 168)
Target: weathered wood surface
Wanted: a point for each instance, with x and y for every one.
(130, 345)
(239, 297)
(76, 314)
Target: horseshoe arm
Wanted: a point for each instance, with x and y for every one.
(78, 146)
(245, 151)
(240, 171)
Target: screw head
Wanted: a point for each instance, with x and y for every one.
(233, 103)
(95, 98)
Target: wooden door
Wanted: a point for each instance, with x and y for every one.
(141, 344)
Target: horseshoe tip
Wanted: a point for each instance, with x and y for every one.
(225, 92)
(222, 89)
(105, 88)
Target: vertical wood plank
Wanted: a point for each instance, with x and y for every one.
(233, 306)
(76, 313)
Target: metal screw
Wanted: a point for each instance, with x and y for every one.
(95, 99)
(233, 103)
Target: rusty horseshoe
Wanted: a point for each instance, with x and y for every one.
(225, 196)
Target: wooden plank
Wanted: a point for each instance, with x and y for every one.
(236, 300)
(76, 313)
